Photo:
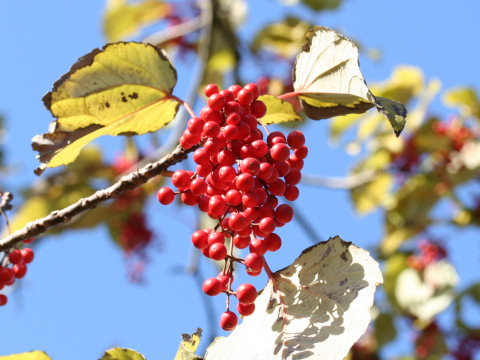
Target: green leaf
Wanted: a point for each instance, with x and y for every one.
(123, 89)
(188, 346)
(385, 330)
(328, 80)
(126, 19)
(283, 38)
(278, 111)
(122, 354)
(32, 355)
(316, 308)
(320, 5)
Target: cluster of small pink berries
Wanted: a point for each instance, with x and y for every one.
(14, 266)
(239, 177)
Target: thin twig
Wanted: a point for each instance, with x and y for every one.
(175, 31)
(126, 183)
(348, 182)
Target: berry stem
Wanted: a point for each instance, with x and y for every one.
(289, 95)
(184, 103)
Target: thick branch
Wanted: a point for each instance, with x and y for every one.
(126, 183)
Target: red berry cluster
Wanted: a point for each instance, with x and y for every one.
(239, 177)
(14, 266)
(430, 252)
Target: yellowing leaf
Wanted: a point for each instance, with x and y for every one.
(123, 19)
(319, 5)
(188, 346)
(282, 38)
(32, 355)
(123, 89)
(122, 354)
(278, 111)
(328, 80)
(466, 99)
(375, 193)
(316, 308)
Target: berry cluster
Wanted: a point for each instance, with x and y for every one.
(238, 180)
(430, 252)
(14, 266)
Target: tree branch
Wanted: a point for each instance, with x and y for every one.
(348, 182)
(126, 183)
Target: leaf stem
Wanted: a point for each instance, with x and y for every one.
(288, 95)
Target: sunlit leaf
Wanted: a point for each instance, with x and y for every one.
(328, 80)
(316, 308)
(319, 5)
(124, 19)
(283, 38)
(426, 296)
(123, 89)
(464, 98)
(188, 346)
(375, 193)
(278, 111)
(32, 355)
(122, 354)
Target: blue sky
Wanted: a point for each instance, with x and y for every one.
(76, 301)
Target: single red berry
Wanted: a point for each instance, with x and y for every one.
(273, 242)
(258, 109)
(200, 239)
(293, 177)
(284, 213)
(233, 119)
(296, 139)
(258, 246)
(224, 279)
(246, 293)
(282, 167)
(212, 286)
(3, 299)
(254, 262)
(165, 195)
(259, 148)
(226, 157)
(291, 193)
(19, 270)
(245, 97)
(234, 89)
(237, 222)
(229, 96)
(228, 321)
(301, 153)
(254, 89)
(15, 256)
(198, 186)
(279, 152)
(230, 132)
(256, 231)
(241, 242)
(217, 205)
(189, 198)
(233, 197)
(277, 187)
(267, 225)
(273, 177)
(6, 275)
(273, 135)
(245, 182)
(251, 121)
(195, 125)
(210, 89)
(211, 147)
(217, 251)
(215, 237)
(216, 102)
(184, 144)
(201, 157)
(294, 162)
(181, 179)
(245, 309)
(250, 165)
(265, 171)
(250, 199)
(211, 129)
(28, 255)
(244, 130)
(190, 138)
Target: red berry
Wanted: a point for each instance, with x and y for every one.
(233, 197)
(217, 251)
(226, 157)
(215, 237)
(241, 242)
(201, 157)
(212, 286)
(229, 96)
(291, 193)
(230, 132)
(245, 97)
(19, 270)
(259, 148)
(165, 195)
(254, 262)
(245, 309)
(3, 299)
(200, 239)
(245, 182)
(282, 167)
(284, 213)
(228, 321)
(181, 179)
(258, 109)
(254, 89)
(233, 119)
(273, 135)
(296, 139)
(15, 256)
(301, 153)
(250, 199)
(279, 152)
(237, 222)
(234, 89)
(258, 246)
(224, 279)
(293, 177)
(195, 125)
(28, 255)
(267, 225)
(217, 205)
(28, 241)
(273, 242)
(250, 165)
(210, 89)
(246, 293)
(6, 275)
(211, 129)
(189, 198)
(216, 102)
(198, 186)
(277, 187)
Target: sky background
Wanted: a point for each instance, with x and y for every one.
(76, 300)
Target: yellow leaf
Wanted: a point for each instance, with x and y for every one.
(32, 355)
(328, 80)
(123, 89)
(464, 98)
(375, 193)
(278, 111)
(123, 19)
(122, 354)
(188, 346)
